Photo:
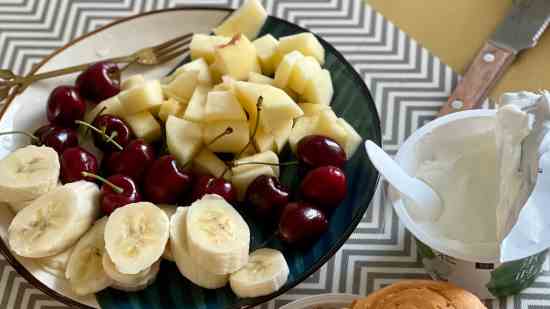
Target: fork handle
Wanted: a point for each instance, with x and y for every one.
(480, 77)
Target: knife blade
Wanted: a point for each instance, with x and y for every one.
(521, 29)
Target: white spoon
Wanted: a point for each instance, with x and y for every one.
(426, 206)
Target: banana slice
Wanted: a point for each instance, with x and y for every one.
(130, 280)
(217, 235)
(135, 236)
(54, 221)
(56, 264)
(169, 210)
(17, 206)
(266, 272)
(28, 173)
(147, 280)
(186, 264)
(84, 269)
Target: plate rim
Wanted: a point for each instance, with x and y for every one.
(247, 302)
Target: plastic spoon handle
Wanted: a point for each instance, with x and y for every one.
(426, 203)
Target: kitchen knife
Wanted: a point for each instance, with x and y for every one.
(520, 30)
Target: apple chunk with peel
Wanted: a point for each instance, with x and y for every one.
(266, 49)
(207, 162)
(183, 138)
(319, 89)
(233, 142)
(304, 42)
(245, 164)
(144, 126)
(222, 105)
(200, 65)
(285, 68)
(183, 86)
(195, 107)
(203, 46)
(243, 180)
(353, 139)
(304, 70)
(141, 98)
(248, 20)
(237, 58)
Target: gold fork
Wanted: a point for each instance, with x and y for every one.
(152, 55)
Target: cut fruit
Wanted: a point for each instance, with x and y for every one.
(312, 109)
(319, 89)
(244, 164)
(200, 66)
(277, 109)
(203, 45)
(281, 135)
(110, 106)
(325, 123)
(222, 105)
(215, 73)
(248, 93)
(144, 125)
(285, 68)
(132, 81)
(266, 49)
(304, 70)
(141, 98)
(208, 163)
(264, 141)
(183, 138)
(303, 126)
(304, 42)
(243, 180)
(183, 86)
(233, 142)
(248, 20)
(170, 107)
(353, 139)
(237, 58)
(195, 107)
(260, 79)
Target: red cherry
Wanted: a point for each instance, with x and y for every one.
(99, 82)
(318, 150)
(117, 191)
(133, 161)
(165, 182)
(60, 139)
(111, 125)
(207, 184)
(266, 196)
(65, 106)
(43, 131)
(325, 186)
(74, 161)
(301, 223)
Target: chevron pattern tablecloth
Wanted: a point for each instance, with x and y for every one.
(407, 82)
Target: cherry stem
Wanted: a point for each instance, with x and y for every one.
(289, 163)
(115, 188)
(111, 138)
(256, 126)
(107, 137)
(29, 135)
(227, 131)
(93, 120)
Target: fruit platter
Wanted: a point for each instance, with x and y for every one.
(221, 180)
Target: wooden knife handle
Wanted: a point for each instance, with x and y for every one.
(480, 77)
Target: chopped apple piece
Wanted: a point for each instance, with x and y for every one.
(281, 135)
(206, 162)
(237, 58)
(183, 86)
(195, 107)
(222, 105)
(132, 81)
(248, 20)
(327, 125)
(233, 142)
(141, 98)
(263, 157)
(304, 70)
(353, 139)
(303, 126)
(311, 109)
(215, 73)
(260, 79)
(304, 42)
(203, 46)
(111, 106)
(277, 109)
(227, 84)
(243, 180)
(248, 93)
(199, 65)
(170, 107)
(183, 138)
(285, 68)
(319, 89)
(266, 49)
(144, 126)
(263, 141)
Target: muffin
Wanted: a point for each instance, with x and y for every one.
(420, 294)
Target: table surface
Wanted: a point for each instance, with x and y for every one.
(407, 82)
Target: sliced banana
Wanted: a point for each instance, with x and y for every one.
(147, 280)
(218, 237)
(56, 264)
(186, 264)
(28, 173)
(17, 206)
(55, 220)
(130, 280)
(266, 272)
(169, 210)
(135, 236)
(84, 269)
